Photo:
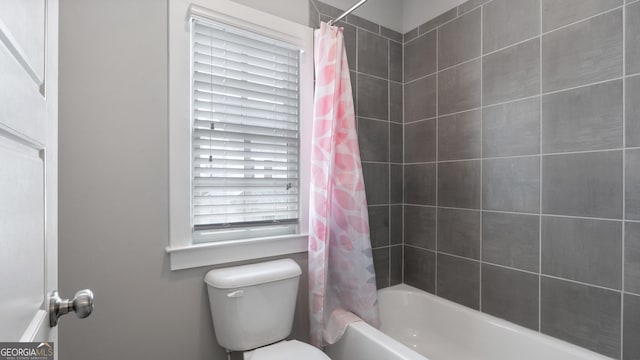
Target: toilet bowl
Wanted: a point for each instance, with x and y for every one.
(252, 308)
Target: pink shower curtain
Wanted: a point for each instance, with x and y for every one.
(342, 280)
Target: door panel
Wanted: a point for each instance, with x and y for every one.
(23, 31)
(22, 234)
(23, 106)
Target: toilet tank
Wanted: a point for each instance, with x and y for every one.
(253, 305)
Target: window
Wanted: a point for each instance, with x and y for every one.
(245, 116)
(240, 119)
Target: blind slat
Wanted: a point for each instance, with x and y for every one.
(231, 85)
(229, 73)
(226, 145)
(238, 218)
(249, 129)
(268, 98)
(245, 103)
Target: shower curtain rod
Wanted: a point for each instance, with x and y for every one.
(331, 22)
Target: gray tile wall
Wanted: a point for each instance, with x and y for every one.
(375, 56)
(522, 165)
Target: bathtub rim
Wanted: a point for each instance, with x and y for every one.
(495, 321)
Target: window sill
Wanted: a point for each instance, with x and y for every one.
(232, 251)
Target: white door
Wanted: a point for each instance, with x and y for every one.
(28, 167)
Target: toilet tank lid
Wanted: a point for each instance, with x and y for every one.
(253, 274)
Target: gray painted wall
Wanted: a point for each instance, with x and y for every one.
(522, 169)
(294, 10)
(114, 192)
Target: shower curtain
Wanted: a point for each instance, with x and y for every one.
(342, 279)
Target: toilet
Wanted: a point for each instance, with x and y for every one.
(252, 308)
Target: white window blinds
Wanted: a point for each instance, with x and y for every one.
(245, 129)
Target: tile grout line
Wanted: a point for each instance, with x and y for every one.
(578, 282)
(540, 175)
(542, 94)
(403, 160)
(481, 153)
(437, 156)
(624, 181)
(523, 213)
(525, 156)
(389, 153)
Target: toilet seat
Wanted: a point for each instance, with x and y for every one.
(286, 350)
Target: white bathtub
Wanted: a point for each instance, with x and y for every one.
(432, 328)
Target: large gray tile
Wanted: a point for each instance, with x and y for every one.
(632, 190)
(507, 22)
(584, 53)
(469, 5)
(633, 111)
(373, 97)
(584, 250)
(459, 280)
(353, 80)
(633, 38)
(586, 118)
(587, 184)
(580, 314)
(363, 23)
(420, 184)
(420, 99)
(314, 16)
(397, 224)
(395, 266)
(632, 257)
(327, 9)
(459, 184)
(373, 138)
(420, 269)
(460, 136)
(391, 34)
(420, 226)
(396, 102)
(420, 57)
(373, 54)
(512, 73)
(376, 183)
(631, 330)
(438, 20)
(397, 184)
(459, 88)
(511, 295)
(395, 61)
(379, 226)
(459, 232)
(351, 44)
(511, 184)
(556, 13)
(411, 34)
(420, 141)
(511, 240)
(381, 266)
(460, 40)
(396, 143)
(511, 129)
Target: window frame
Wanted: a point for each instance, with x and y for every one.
(184, 252)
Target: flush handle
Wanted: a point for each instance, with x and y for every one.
(81, 304)
(236, 294)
